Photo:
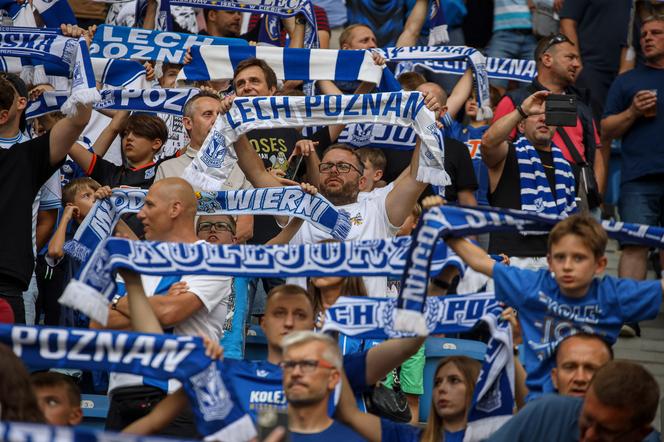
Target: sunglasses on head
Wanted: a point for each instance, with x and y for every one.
(555, 40)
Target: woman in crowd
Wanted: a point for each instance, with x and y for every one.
(454, 383)
(17, 400)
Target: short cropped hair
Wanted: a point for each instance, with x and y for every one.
(289, 290)
(74, 186)
(47, 379)
(349, 149)
(589, 231)
(374, 155)
(545, 45)
(270, 76)
(345, 35)
(627, 385)
(410, 81)
(587, 337)
(7, 94)
(332, 354)
(188, 110)
(148, 126)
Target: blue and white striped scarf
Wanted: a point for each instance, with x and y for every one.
(279, 8)
(157, 356)
(52, 12)
(144, 44)
(219, 62)
(523, 71)
(70, 53)
(164, 101)
(493, 398)
(23, 431)
(474, 58)
(216, 157)
(536, 195)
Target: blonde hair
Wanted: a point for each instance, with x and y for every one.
(332, 354)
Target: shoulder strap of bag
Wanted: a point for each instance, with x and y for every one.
(578, 159)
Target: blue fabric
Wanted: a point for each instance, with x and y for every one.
(334, 433)
(547, 316)
(256, 384)
(396, 432)
(510, 45)
(642, 145)
(511, 14)
(642, 201)
(472, 138)
(335, 10)
(233, 339)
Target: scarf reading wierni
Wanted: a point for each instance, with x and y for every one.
(157, 356)
(287, 201)
(48, 45)
(209, 169)
(444, 221)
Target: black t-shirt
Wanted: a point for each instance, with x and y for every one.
(508, 195)
(110, 174)
(275, 146)
(457, 163)
(24, 168)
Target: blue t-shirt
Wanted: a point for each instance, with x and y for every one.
(472, 138)
(337, 432)
(396, 432)
(548, 316)
(642, 145)
(258, 384)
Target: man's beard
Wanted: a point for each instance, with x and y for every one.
(347, 194)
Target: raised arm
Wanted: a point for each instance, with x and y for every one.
(252, 165)
(615, 126)
(462, 90)
(65, 133)
(402, 198)
(143, 318)
(413, 27)
(385, 357)
(110, 132)
(367, 425)
(160, 416)
(472, 255)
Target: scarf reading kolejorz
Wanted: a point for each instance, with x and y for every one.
(209, 170)
(69, 53)
(157, 356)
(286, 201)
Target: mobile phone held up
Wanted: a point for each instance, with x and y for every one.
(561, 110)
(269, 419)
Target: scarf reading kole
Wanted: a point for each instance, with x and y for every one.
(437, 25)
(523, 71)
(167, 101)
(144, 44)
(279, 8)
(47, 44)
(291, 201)
(472, 56)
(91, 290)
(493, 398)
(22, 431)
(536, 193)
(374, 318)
(216, 157)
(219, 62)
(157, 356)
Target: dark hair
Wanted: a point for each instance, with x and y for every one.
(547, 43)
(17, 399)
(411, 80)
(587, 337)
(629, 386)
(289, 290)
(7, 94)
(589, 231)
(17, 83)
(374, 155)
(348, 149)
(189, 105)
(470, 369)
(270, 76)
(74, 186)
(148, 126)
(46, 379)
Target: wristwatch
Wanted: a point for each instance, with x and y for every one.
(114, 302)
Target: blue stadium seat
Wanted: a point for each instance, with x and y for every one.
(436, 349)
(255, 346)
(95, 410)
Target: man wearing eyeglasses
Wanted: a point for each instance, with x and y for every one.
(558, 66)
(312, 367)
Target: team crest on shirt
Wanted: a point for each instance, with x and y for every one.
(262, 373)
(357, 220)
(361, 135)
(539, 204)
(149, 173)
(213, 398)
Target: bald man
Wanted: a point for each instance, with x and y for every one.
(578, 357)
(186, 305)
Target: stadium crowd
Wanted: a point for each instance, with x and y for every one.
(603, 59)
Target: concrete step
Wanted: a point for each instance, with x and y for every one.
(653, 333)
(638, 355)
(643, 344)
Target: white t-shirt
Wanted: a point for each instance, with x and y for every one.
(368, 221)
(214, 292)
(376, 192)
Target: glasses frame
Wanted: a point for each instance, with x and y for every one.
(312, 365)
(214, 224)
(555, 40)
(336, 166)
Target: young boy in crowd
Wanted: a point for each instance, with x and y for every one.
(58, 397)
(567, 297)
